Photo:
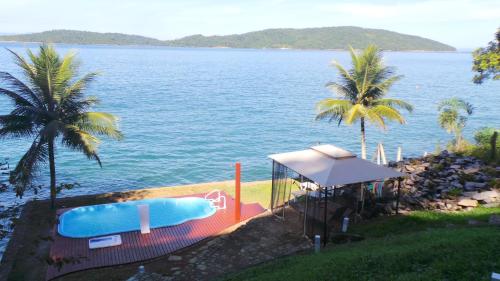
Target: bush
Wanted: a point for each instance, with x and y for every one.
(483, 136)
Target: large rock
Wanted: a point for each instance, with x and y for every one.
(467, 203)
(485, 195)
(470, 185)
(471, 171)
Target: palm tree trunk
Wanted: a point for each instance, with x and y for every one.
(52, 165)
(363, 139)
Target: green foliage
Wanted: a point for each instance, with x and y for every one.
(453, 121)
(483, 136)
(362, 90)
(487, 61)
(307, 38)
(420, 221)
(66, 186)
(82, 37)
(494, 183)
(438, 167)
(454, 192)
(421, 246)
(462, 178)
(490, 171)
(482, 149)
(481, 152)
(51, 105)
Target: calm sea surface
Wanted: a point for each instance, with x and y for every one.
(189, 114)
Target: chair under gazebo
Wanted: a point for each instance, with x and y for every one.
(323, 169)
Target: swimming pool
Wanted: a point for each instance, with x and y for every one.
(96, 220)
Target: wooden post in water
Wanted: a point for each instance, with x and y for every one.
(237, 203)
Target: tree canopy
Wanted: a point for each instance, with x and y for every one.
(487, 61)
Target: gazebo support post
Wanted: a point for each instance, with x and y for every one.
(305, 213)
(362, 197)
(272, 190)
(397, 197)
(324, 223)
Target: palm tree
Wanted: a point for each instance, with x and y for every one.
(361, 90)
(451, 119)
(51, 106)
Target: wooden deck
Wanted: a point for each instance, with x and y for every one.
(139, 247)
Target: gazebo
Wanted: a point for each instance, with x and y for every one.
(326, 168)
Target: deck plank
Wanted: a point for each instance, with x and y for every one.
(139, 247)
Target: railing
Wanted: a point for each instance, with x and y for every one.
(218, 201)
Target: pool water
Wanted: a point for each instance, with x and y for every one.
(96, 220)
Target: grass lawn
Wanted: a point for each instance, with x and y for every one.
(420, 246)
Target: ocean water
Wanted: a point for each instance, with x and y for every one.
(189, 114)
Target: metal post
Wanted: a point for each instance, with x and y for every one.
(305, 211)
(362, 197)
(237, 205)
(272, 188)
(324, 223)
(397, 198)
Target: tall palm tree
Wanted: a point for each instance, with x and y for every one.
(451, 119)
(361, 90)
(51, 106)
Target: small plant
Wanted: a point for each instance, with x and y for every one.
(483, 136)
(66, 186)
(490, 171)
(438, 148)
(453, 121)
(455, 192)
(465, 177)
(438, 167)
(494, 183)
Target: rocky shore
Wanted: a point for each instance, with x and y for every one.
(448, 182)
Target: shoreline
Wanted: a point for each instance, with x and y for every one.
(220, 47)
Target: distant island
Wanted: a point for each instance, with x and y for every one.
(323, 38)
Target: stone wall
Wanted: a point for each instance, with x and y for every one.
(448, 182)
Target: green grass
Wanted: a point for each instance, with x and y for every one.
(420, 220)
(420, 246)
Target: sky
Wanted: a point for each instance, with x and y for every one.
(460, 23)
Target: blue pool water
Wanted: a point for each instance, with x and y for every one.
(188, 114)
(96, 220)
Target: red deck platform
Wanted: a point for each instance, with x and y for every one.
(139, 247)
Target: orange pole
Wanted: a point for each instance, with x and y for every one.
(237, 205)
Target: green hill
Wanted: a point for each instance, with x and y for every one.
(316, 38)
(82, 37)
(307, 38)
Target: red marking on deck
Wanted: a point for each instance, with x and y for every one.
(140, 247)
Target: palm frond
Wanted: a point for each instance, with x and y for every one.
(19, 88)
(28, 166)
(394, 103)
(16, 126)
(456, 104)
(85, 142)
(100, 123)
(375, 118)
(356, 112)
(388, 112)
(341, 90)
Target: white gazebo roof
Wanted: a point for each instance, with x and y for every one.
(328, 165)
